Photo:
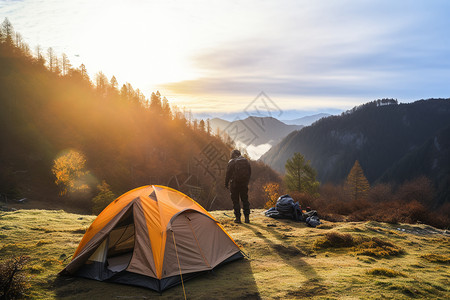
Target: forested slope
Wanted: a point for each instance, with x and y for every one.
(432, 160)
(48, 108)
(378, 134)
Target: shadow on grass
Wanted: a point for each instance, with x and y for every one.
(234, 280)
(292, 256)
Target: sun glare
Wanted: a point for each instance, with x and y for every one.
(136, 42)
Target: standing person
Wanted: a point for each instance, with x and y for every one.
(237, 178)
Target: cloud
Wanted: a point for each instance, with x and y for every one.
(350, 49)
(255, 152)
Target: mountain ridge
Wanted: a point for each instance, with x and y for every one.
(376, 135)
(255, 134)
(306, 120)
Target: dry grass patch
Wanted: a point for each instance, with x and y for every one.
(36, 269)
(377, 248)
(308, 291)
(385, 272)
(13, 248)
(325, 226)
(361, 245)
(334, 239)
(48, 262)
(43, 242)
(436, 258)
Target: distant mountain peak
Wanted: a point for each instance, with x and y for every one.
(306, 120)
(255, 133)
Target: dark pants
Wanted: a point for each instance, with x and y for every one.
(242, 193)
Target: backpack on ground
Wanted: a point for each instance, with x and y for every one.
(288, 208)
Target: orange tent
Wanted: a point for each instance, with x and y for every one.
(154, 237)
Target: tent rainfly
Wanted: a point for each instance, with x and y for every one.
(154, 237)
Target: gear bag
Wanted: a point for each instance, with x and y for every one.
(241, 170)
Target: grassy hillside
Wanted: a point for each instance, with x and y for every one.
(287, 260)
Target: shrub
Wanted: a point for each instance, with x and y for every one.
(103, 198)
(272, 192)
(419, 189)
(379, 193)
(409, 204)
(399, 211)
(305, 199)
(14, 284)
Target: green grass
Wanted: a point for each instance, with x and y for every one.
(288, 260)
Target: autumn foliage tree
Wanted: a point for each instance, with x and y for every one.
(272, 193)
(357, 186)
(300, 176)
(69, 170)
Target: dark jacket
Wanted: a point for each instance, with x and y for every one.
(232, 172)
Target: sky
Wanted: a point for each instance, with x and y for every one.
(217, 57)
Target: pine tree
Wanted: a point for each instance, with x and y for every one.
(101, 83)
(39, 55)
(155, 104)
(113, 83)
(51, 59)
(7, 33)
(84, 74)
(201, 125)
(208, 126)
(166, 111)
(357, 186)
(300, 176)
(65, 63)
